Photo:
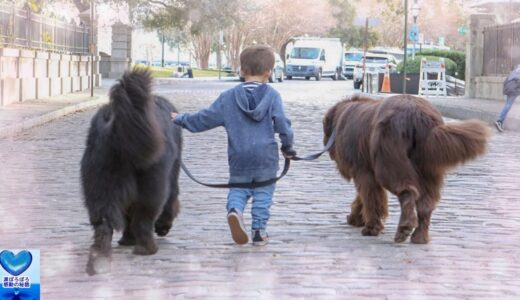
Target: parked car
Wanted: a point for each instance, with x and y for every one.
(349, 62)
(278, 71)
(375, 64)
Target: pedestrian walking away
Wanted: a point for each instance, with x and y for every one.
(252, 112)
(512, 91)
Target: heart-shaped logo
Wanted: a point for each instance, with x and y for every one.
(15, 264)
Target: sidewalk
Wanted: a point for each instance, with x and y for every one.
(482, 109)
(18, 117)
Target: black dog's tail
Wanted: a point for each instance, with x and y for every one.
(135, 126)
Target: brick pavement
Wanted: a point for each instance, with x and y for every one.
(313, 254)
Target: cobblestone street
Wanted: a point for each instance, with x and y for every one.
(313, 254)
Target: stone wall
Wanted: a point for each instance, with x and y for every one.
(477, 85)
(27, 74)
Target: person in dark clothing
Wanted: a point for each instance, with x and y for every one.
(252, 112)
(512, 91)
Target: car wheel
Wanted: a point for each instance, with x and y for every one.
(272, 77)
(307, 77)
(318, 77)
(289, 77)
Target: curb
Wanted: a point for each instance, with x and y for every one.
(462, 113)
(171, 80)
(49, 116)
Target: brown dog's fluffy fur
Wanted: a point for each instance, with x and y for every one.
(400, 144)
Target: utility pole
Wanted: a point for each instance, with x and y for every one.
(162, 50)
(405, 43)
(219, 57)
(365, 48)
(92, 47)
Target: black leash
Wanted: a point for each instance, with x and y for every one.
(252, 185)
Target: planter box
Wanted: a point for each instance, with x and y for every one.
(396, 83)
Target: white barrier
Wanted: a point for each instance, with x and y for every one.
(432, 80)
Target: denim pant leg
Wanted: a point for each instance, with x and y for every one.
(237, 199)
(509, 102)
(262, 200)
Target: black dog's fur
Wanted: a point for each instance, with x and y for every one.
(130, 169)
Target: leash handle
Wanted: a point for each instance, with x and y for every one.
(242, 185)
(327, 147)
(252, 185)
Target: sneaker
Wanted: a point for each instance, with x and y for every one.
(236, 226)
(260, 237)
(499, 125)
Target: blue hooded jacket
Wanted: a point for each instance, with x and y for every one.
(250, 123)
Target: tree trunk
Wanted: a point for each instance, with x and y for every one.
(202, 48)
(235, 38)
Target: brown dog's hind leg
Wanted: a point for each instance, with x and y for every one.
(420, 235)
(432, 182)
(374, 203)
(356, 213)
(408, 219)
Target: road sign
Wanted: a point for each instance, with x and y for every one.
(414, 33)
(462, 30)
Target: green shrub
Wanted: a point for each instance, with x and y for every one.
(414, 66)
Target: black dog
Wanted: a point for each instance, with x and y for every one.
(130, 169)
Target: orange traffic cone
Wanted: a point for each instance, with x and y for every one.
(385, 88)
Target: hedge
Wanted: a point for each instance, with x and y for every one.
(414, 66)
(458, 57)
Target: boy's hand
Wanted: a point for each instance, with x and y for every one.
(288, 151)
(174, 115)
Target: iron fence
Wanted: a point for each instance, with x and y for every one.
(21, 28)
(501, 49)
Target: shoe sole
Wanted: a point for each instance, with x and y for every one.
(258, 243)
(237, 230)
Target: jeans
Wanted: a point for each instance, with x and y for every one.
(510, 99)
(262, 200)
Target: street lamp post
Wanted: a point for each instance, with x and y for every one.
(415, 13)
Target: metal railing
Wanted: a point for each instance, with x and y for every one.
(501, 49)
(21, 28)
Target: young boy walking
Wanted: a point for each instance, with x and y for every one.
(251, 112)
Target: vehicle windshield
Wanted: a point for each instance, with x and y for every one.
(353, 56)
(379, 60)
(305, 53)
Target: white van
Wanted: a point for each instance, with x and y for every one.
(314, 57)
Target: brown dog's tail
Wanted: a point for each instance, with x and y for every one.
(455, 143)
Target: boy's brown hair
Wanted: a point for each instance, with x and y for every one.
(256, 60)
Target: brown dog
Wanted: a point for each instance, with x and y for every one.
(400, 144)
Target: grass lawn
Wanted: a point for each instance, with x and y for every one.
(167, 72)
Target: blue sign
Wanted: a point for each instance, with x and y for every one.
(19, 274)
(414, 33)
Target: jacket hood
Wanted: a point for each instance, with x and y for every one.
(262, 97)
